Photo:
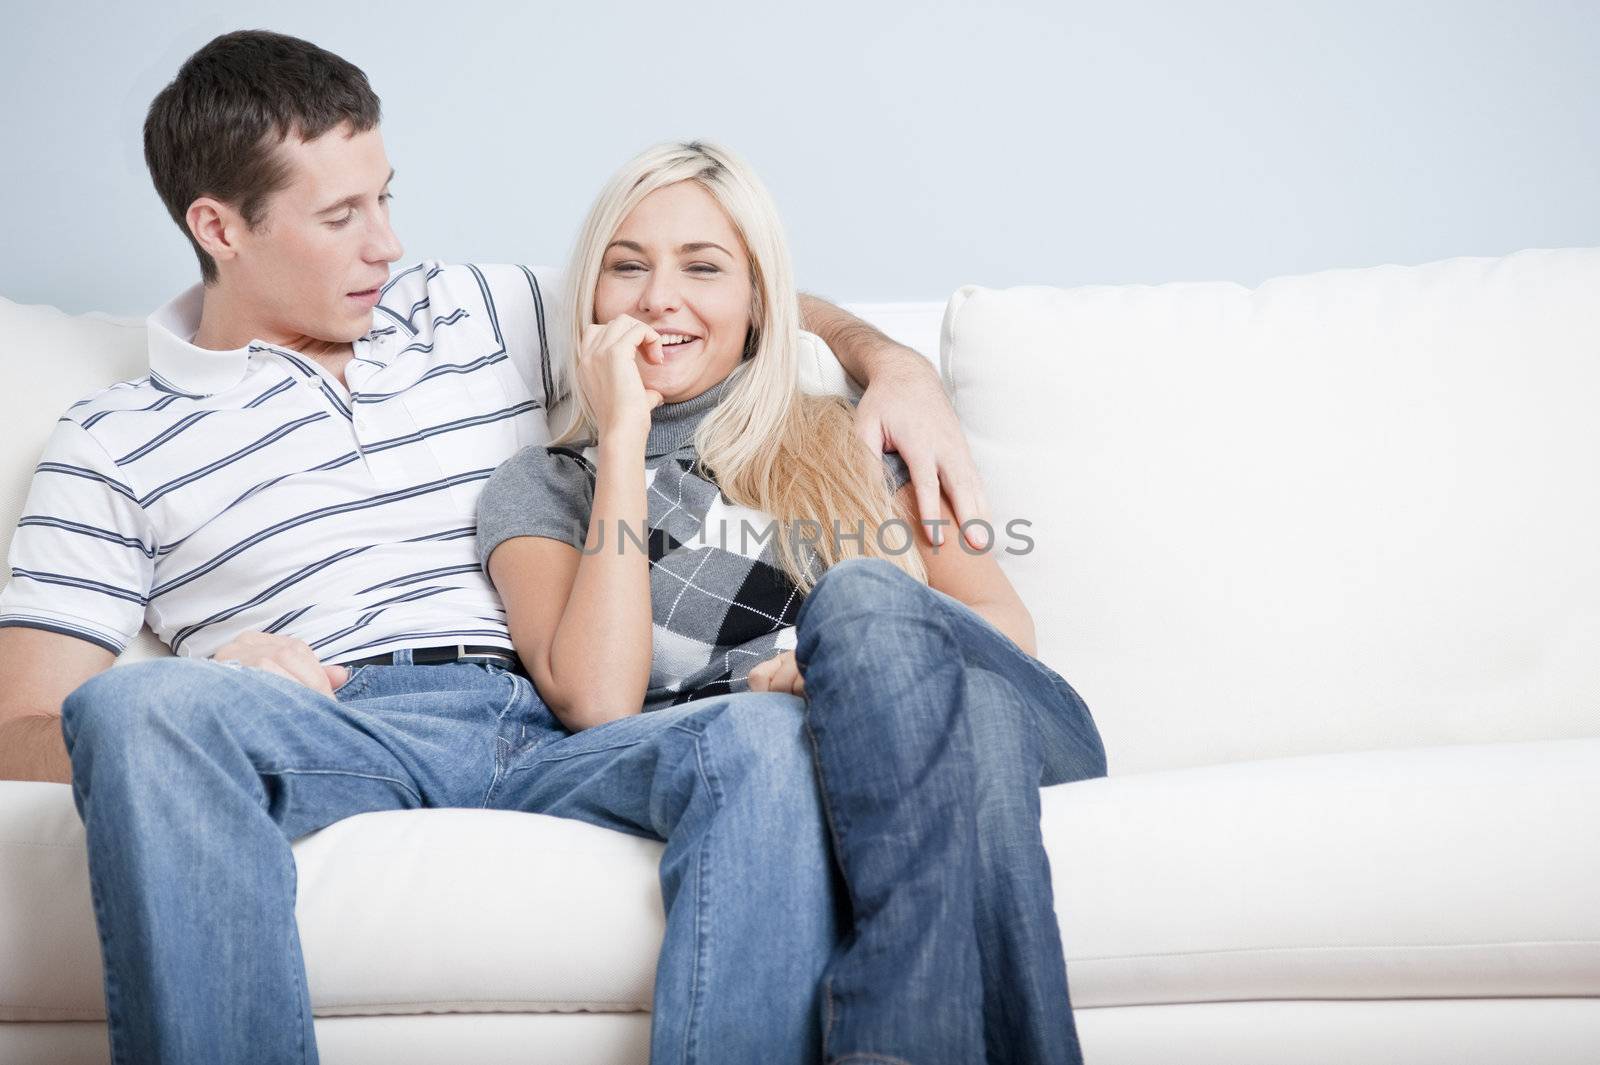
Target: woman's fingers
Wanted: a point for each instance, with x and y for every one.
(789, 679)
(778, 674)
(639, 339)
(609, 371)
(759, 676)
(650, 347)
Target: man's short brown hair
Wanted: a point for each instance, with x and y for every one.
(216, 129)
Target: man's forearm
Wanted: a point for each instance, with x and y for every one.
(864, 351)
(31, 748)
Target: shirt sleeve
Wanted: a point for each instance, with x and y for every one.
(896, 470)
(524, 306)
(539, 491)
(82, 558)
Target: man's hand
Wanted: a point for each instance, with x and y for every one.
(778, 674)
(905, 409)
(285, 656)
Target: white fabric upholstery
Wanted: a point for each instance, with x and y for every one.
(1320, 877)
(1393, 1032)
(1316, 554)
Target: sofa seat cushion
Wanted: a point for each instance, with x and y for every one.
(423, 911)
(1457, 871)
(1462, 871)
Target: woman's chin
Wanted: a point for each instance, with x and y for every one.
(681, 382)
(668, 385)
(674, 387)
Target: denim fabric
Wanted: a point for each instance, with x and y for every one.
(933, 733)
(193, 777)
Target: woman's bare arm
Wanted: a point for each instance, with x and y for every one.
(581, 621)
(974, 579)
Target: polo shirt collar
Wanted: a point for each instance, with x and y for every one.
(177, 365)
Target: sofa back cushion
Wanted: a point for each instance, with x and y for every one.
(49, 361)
(1351, 510)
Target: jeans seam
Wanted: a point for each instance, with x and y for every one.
(830, 1016)
(69, 739)
(702, 926)
(301, 994)
(344, 773)
(827, 1014)
(113, 997)
(502, 746)
(562, 757)
(574, 754)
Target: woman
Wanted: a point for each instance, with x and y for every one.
(702, 527)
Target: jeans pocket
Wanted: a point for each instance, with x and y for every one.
(352, 683)
(526, 723)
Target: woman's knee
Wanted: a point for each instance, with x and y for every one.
(863, 585)
(866, 610)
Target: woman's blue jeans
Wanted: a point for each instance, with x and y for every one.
(933, 734)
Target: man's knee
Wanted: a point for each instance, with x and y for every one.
(126, 705)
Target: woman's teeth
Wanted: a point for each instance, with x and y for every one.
(669, 340)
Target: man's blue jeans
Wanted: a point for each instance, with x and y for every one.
(933, 734)
(192, 778)
(929, 732)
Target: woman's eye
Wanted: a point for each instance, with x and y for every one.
(703, 268)
(626, 268)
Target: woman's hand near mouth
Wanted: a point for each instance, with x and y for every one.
(610, 375)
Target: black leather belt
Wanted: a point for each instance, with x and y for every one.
(448, 654)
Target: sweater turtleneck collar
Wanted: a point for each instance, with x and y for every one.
(672, 425)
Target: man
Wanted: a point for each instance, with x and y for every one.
(288, 500)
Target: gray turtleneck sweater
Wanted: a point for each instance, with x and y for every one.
(719, 600)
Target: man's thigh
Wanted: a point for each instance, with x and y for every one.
(392, 738)
(637, 774)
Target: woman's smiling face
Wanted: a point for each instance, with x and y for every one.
(677, 264)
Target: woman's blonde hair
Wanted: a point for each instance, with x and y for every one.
(775, 449)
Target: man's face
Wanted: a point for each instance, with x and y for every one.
(314, 262)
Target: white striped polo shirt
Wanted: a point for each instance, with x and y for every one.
(236, 491)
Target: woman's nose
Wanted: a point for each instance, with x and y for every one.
(660, 294)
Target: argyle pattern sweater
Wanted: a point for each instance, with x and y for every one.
(720, 602)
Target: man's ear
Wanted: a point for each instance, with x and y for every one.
(216, 227)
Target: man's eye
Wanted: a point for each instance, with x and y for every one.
(386, 197)
(340, 222)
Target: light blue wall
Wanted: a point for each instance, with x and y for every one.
(913, 147)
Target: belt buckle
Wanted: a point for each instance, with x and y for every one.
(481, 656)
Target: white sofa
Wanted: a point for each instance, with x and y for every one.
(1321, 557)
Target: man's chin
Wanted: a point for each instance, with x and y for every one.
(349, 328)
